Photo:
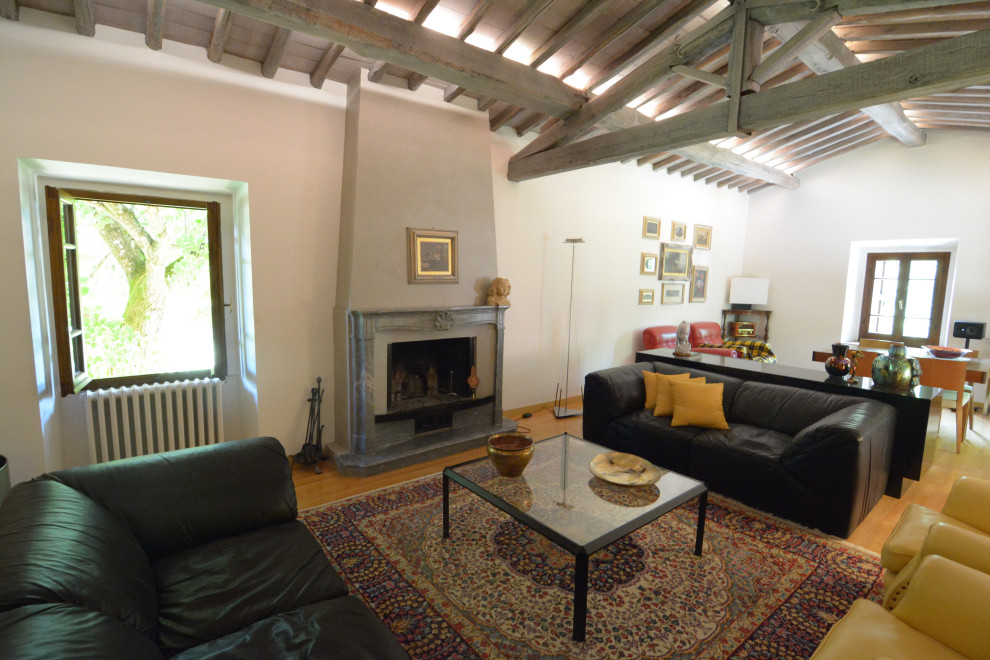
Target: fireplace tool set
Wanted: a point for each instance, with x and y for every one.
(312, 449)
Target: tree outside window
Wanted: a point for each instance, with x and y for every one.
(137, 288)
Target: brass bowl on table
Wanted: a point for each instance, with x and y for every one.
(510, 453)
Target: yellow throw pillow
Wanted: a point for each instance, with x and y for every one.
(697, 405)
(664, 406)
(650, 381)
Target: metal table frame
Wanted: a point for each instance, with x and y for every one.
(581, 552)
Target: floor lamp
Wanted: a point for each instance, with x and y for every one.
(560, 408)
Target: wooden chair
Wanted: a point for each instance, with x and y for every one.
(874, 343)
(950, 375)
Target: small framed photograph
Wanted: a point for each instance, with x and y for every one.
(651, 227)
(703, 237)
(647, 263)
(675, 262)
(646, 296)
(432, 256)
(678, 232)
(671, 294)
(699, 284)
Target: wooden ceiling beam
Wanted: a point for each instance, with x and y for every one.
(280, 43)
(669, 28)
(713, 156)
(527, 124)
(616, 30)
(829, 54)
(926, 30)
(588, 12)
(964, 11)
(712, 35)
(329, 57)
(376, 35)
(9, 10)
(478, 12)
(780, 59)
(774, 12)
(423, 12)
(85, 23)
(154, 28)
(946, 66)
(221, 30)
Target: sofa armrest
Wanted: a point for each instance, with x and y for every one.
(179, 499)
(960, 545)
(844, 459)
(950, 603)
(612, 393)
(969, 502)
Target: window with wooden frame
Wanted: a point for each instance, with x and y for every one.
(903, 296)
(137, 288)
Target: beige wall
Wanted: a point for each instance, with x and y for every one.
(415, 163)
(112, 101)
(604, 205)
(882, 193)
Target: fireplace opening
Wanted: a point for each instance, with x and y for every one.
(427, 377)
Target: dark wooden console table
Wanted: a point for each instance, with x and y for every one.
(918, 410)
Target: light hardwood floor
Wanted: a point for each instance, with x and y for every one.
(974, 459)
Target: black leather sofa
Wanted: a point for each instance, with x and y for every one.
(190, 554)
(818, 459)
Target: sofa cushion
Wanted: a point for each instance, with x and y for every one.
(730, 384)
(59, 546)
(177, 500)
(664, 403)
(650, 385)
(652, 438)
(782, 408)
(220, 587)
(697, 404)
(59, 630)
(340, 628)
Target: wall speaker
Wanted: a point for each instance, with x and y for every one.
(969, 330)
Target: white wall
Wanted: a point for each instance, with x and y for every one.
(112, 101)
(604, 205)
(802, 240)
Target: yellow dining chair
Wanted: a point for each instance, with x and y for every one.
(950, 375)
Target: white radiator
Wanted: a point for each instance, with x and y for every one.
(147, 419)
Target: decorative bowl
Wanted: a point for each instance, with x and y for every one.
(947, 352)
(510, 453)
(625, 469)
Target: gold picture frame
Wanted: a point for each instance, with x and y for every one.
(678, 232)
(646, 296)
(675, 262)
(703, 237)
(648, 263)
(671, 293)
(699, 284)
(432, 256)
(651, 227)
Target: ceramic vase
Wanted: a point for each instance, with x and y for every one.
(838, 365)
(895, 370)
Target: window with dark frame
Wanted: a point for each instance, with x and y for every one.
(903, 296)
(137, 288)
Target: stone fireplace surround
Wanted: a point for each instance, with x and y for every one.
(365, 446)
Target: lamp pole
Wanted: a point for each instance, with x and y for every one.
(560, 409)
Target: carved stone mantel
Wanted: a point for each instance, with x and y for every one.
(364, 446)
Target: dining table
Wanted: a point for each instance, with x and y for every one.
(976, 368)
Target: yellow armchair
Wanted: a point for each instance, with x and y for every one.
(944, 614)
(968, 507)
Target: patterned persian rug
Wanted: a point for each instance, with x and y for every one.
(764, 588)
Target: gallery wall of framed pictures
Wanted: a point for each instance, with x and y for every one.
(673, 262)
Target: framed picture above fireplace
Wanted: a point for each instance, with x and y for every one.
(432, 256)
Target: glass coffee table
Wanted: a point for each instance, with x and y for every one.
(559, 498)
